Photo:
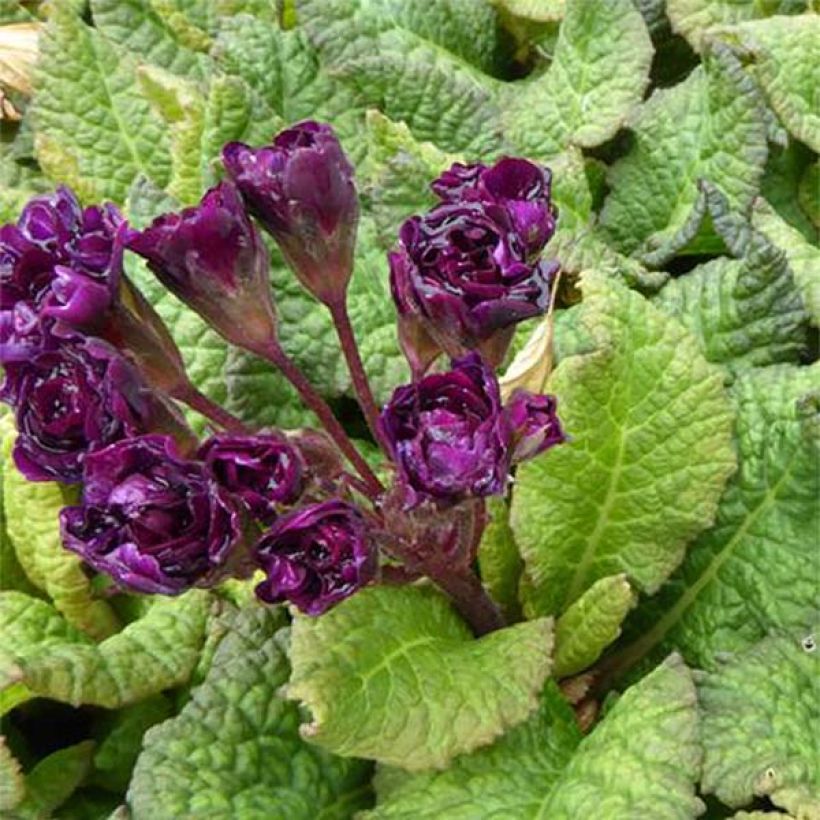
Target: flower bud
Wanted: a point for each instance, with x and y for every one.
(534, 424)
(316, 556)
(152, 520)
(213, 259)
(301, 190)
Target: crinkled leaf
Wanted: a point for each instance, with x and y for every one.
(94, 131)
(393, 674)
(649, 455)
(234, 749)
(33, 528)
(761, 722)
(499, 560)
(591, 624)
(781, 186)
(756, 569)
(710, 126)
(12, 782)
(598, 74)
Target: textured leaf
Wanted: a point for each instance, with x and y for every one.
(500, 562)
(505, 781)
(710, 126)
(650, 454)
(234, 749)
(743, 311)
(804, 258)
(12, 783)
(781, 186)
(33, 529)
(761, 722)
(156, 652)
(755, 570)
(591, 624)
(393, 674)
(94, 131)
(598, 74)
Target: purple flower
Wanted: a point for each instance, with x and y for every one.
(264, 470)
(449, 437)
(152, 520)
(301, 190)
(316, 556)
(213, 259)
(59, 262)
(534, 423)
(70, 402)
(468, 267)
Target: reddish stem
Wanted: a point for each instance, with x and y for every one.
(198, 401)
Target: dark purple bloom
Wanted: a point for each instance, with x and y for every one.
(316, 556)
(212, 257)
(152, 520)
(72, 401)
(534, 423)
(59, 262)
(264, 470)
(449, 436)
(468, 267)
(301, 189)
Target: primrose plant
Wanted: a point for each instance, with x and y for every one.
(94, 378)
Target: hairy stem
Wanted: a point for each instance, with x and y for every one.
(198, 401)
(347, 340)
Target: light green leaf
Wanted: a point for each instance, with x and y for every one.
(33, 529)
(710, 126)
(755, 570)
(393, 674)
(12, 782)
(94, 131)
(804, 258)
(234, 749)
(505, 781)
(650, 453)
(781, 186)
(156, 652)
(761, 723)
(746, 311)
(598, 74)
(694, 18)
(591, 624)
(784, 49)
(53, 780)
(499, 560)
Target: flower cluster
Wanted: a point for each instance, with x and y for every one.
(93, 376)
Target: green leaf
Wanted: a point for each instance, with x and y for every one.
(598, 74)
(93, 130)
(53, 780)
(804, 258)
(393, 674)
(755, 570)
(694, 18)
(761, 722)
(746, 311)
(781, 186)
(234, 749)
(711, 126)
(156, 652)
(591, 624)
(506, 780)
(12, 782)
(650, 453)
(499, 560)
(784, 49)
(33, 528)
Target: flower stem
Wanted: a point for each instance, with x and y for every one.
(278, 358)
(198, 401)
(347, 340)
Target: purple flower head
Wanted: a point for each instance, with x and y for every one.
(467, 267)
(212, 257)
(316, 556)
(449, 437)
(264, 470)
(70, 402)
(59, 262)
(152, 520)
(534, 423)
(301, 190)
